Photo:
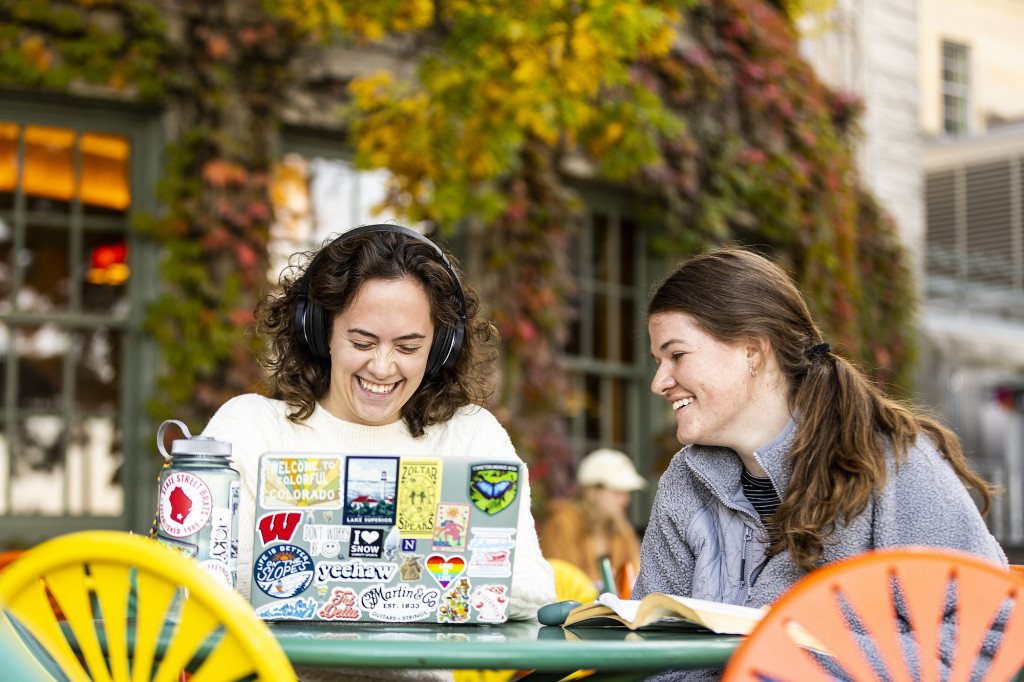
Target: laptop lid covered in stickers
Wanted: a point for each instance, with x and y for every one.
(352, 538)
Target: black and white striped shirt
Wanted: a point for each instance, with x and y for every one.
(760, 493)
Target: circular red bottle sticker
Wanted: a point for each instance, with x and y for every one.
(185, 504)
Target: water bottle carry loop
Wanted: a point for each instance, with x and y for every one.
(160, 435)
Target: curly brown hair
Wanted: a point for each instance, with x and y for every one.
(844, 422)
(342, 266)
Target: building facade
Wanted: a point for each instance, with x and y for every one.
(943, 137)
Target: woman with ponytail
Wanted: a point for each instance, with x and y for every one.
(792, 458)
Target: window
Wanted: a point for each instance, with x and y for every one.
(975, 236)
(316, 196)
(69, 402)
(956, 88)
(608, 340)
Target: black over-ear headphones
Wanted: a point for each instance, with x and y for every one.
(311, 328)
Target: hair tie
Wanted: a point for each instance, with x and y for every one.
(820, 349)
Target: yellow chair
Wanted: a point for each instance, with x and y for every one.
(572, 583)
(94, 576)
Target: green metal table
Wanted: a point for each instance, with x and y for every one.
(618, 652)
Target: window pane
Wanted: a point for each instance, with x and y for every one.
(315, 197)
(94, 465)
(5, 335)
(37, 481)
(602, 259)
(619, 412)
(105, 269)
(104, 188)
(45, 270)
(575, 259)
(8, 164)
(592, 422)
(6, 242)
(49, 180)
(627, 236)
(40, 351)
(573, 347)
(97, 371)
(607, 329)
(629, 331)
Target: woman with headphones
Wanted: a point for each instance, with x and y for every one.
(376, 348)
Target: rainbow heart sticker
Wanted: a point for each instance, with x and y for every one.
(445, 569)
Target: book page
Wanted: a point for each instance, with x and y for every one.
(625, 608)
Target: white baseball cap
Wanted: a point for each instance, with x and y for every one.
(611, 468)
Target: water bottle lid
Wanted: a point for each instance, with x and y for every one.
(201, 445)
(191, 445)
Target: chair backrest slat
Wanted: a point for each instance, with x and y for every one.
(114, 582)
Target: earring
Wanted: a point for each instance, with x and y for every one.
(753, 372)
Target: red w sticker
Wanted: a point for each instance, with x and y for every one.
(279, 527)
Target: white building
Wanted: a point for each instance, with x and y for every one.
(943, 86)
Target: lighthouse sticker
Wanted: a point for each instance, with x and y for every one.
(370, 487)
(185, 504)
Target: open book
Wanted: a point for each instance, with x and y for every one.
(666, 611)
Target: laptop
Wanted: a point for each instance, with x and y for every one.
(353, 538)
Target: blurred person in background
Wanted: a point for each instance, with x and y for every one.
(593, 524)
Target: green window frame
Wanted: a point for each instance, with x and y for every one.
(608, 353)
(63, 279)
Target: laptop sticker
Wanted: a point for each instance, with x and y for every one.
(450, 524)
(283, 571)
(391, 541)
(399, 604)
(219, 570)
(370, 487)
(289, 482)
(325, 539)
(419, 491)
(455, 605)
(492, 487)
(354, 570)
(299, 608)
(490, 602)
(365, 543)
(445, 569)
(185, 504)
(491, 552)
(341, 606)
(411, 568)
(278, 527)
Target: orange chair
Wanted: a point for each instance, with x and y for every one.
(866, 584)
(10, 556)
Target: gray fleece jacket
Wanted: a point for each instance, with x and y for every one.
(705, 540)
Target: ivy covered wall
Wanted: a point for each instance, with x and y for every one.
(486, 113)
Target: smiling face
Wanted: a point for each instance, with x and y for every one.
(379, 347)
(707, 382)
